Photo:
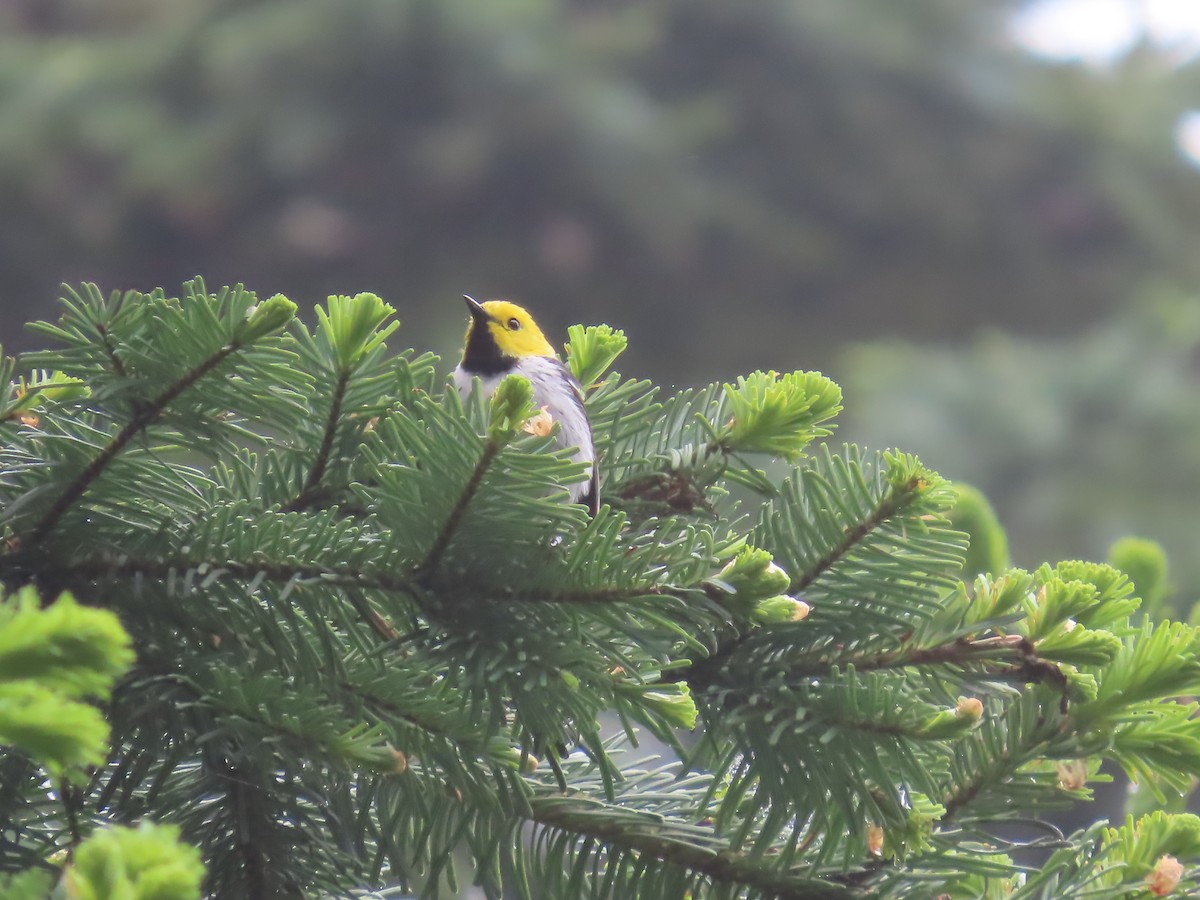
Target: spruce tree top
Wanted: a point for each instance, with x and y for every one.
(370, 631)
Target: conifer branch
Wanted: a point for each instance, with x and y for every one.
(379, 624)
(363, 579)
(704, 672)
(247, 801)
(960, 651)
(111, 351)
(71, 802)
(237, 569)
(472, 742)
(892, 502)
(491, 448)
(1028, 667)
(321, 462)
(992, 775)
(75, 490)
(726, 867)
(274, 708)
(584, 596)
(1000, 767)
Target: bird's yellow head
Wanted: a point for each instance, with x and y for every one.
(508, 328)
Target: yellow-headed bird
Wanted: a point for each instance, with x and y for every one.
(502, 339)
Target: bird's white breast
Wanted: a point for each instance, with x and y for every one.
(554, 388)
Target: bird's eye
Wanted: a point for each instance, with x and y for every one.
(514, 324)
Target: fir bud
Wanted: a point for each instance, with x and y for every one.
(1165, 876)
(674, 703)
(54, 386)
(147, 861)
(951, 723)
(590, 351)
(1082, 687)
(61, 388)
(400, 762)
(511, 406)
(73, 649)
(353, 326)
(779, 610)
(778, 414)
(265, 318)
(752, 575)
(874, 840)
(512, 757)
(969, 709)
(1145, 562)
(1072, 774)
(540, 424)
(988, 549)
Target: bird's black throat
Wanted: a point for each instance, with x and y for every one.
(481, 356)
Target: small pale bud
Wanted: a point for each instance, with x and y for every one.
(1165, 876)
(875, 840)
(532, 763)
(540, 424)
(1072, 774)
(570, 679)
(776, 610)
(674, 703)
(970, 708)
(954, 722)
(400, 762)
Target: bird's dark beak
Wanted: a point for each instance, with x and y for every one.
(478, 313)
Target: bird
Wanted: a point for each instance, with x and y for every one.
(503, 339)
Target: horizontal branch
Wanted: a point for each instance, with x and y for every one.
(165, 567)
(388, 582)
(585, 596)
(727, 867)
(957, 652)
(1017, 653)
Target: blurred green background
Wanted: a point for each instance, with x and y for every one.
(982, 219)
